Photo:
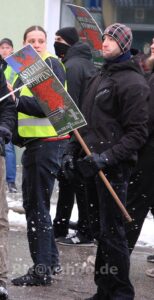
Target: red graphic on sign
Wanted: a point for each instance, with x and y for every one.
(46, 93)
(81, 13)
(25, 60)
(93, 38)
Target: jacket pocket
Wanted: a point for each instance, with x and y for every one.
(104, 98)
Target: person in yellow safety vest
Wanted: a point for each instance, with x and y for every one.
(6, 49)
(41, 162)
(7, 123)
(37, 126)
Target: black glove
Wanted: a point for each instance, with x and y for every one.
(5, 133)
(91, 164)
(68, 166)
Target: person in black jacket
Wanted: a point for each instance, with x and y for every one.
(6, 49)
(77, 59)
(140, 199)
(7, 123)
(115, 108)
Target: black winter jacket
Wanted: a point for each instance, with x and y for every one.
(115, 108)
(151, 111)
(8, 114)
(79, 67)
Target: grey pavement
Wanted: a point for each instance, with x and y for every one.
(76, 281)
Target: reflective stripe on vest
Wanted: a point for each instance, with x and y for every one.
(29, 126)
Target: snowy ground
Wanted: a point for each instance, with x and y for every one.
(17, 219)
(18, 222)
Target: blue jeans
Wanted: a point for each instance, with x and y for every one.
(10, 160)
(41, 164)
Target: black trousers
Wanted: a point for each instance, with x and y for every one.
(140, 197)
(41, 164)
(67, 193)
(112, 258)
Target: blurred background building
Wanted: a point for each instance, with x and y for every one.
(138, 14)
(17, 15)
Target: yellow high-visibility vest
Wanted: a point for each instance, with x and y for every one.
(9, 74)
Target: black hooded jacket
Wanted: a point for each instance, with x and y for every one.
(79, 67)
(8, 114)
(115, 108)
(151, 110)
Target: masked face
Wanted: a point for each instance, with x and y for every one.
(61, 49)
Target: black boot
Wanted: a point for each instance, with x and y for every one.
(33, 278)
(95, 297)
(3, 290)
(150, 258)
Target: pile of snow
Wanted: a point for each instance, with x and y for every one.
(16, 215)
(18, 221)
(146, 237)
